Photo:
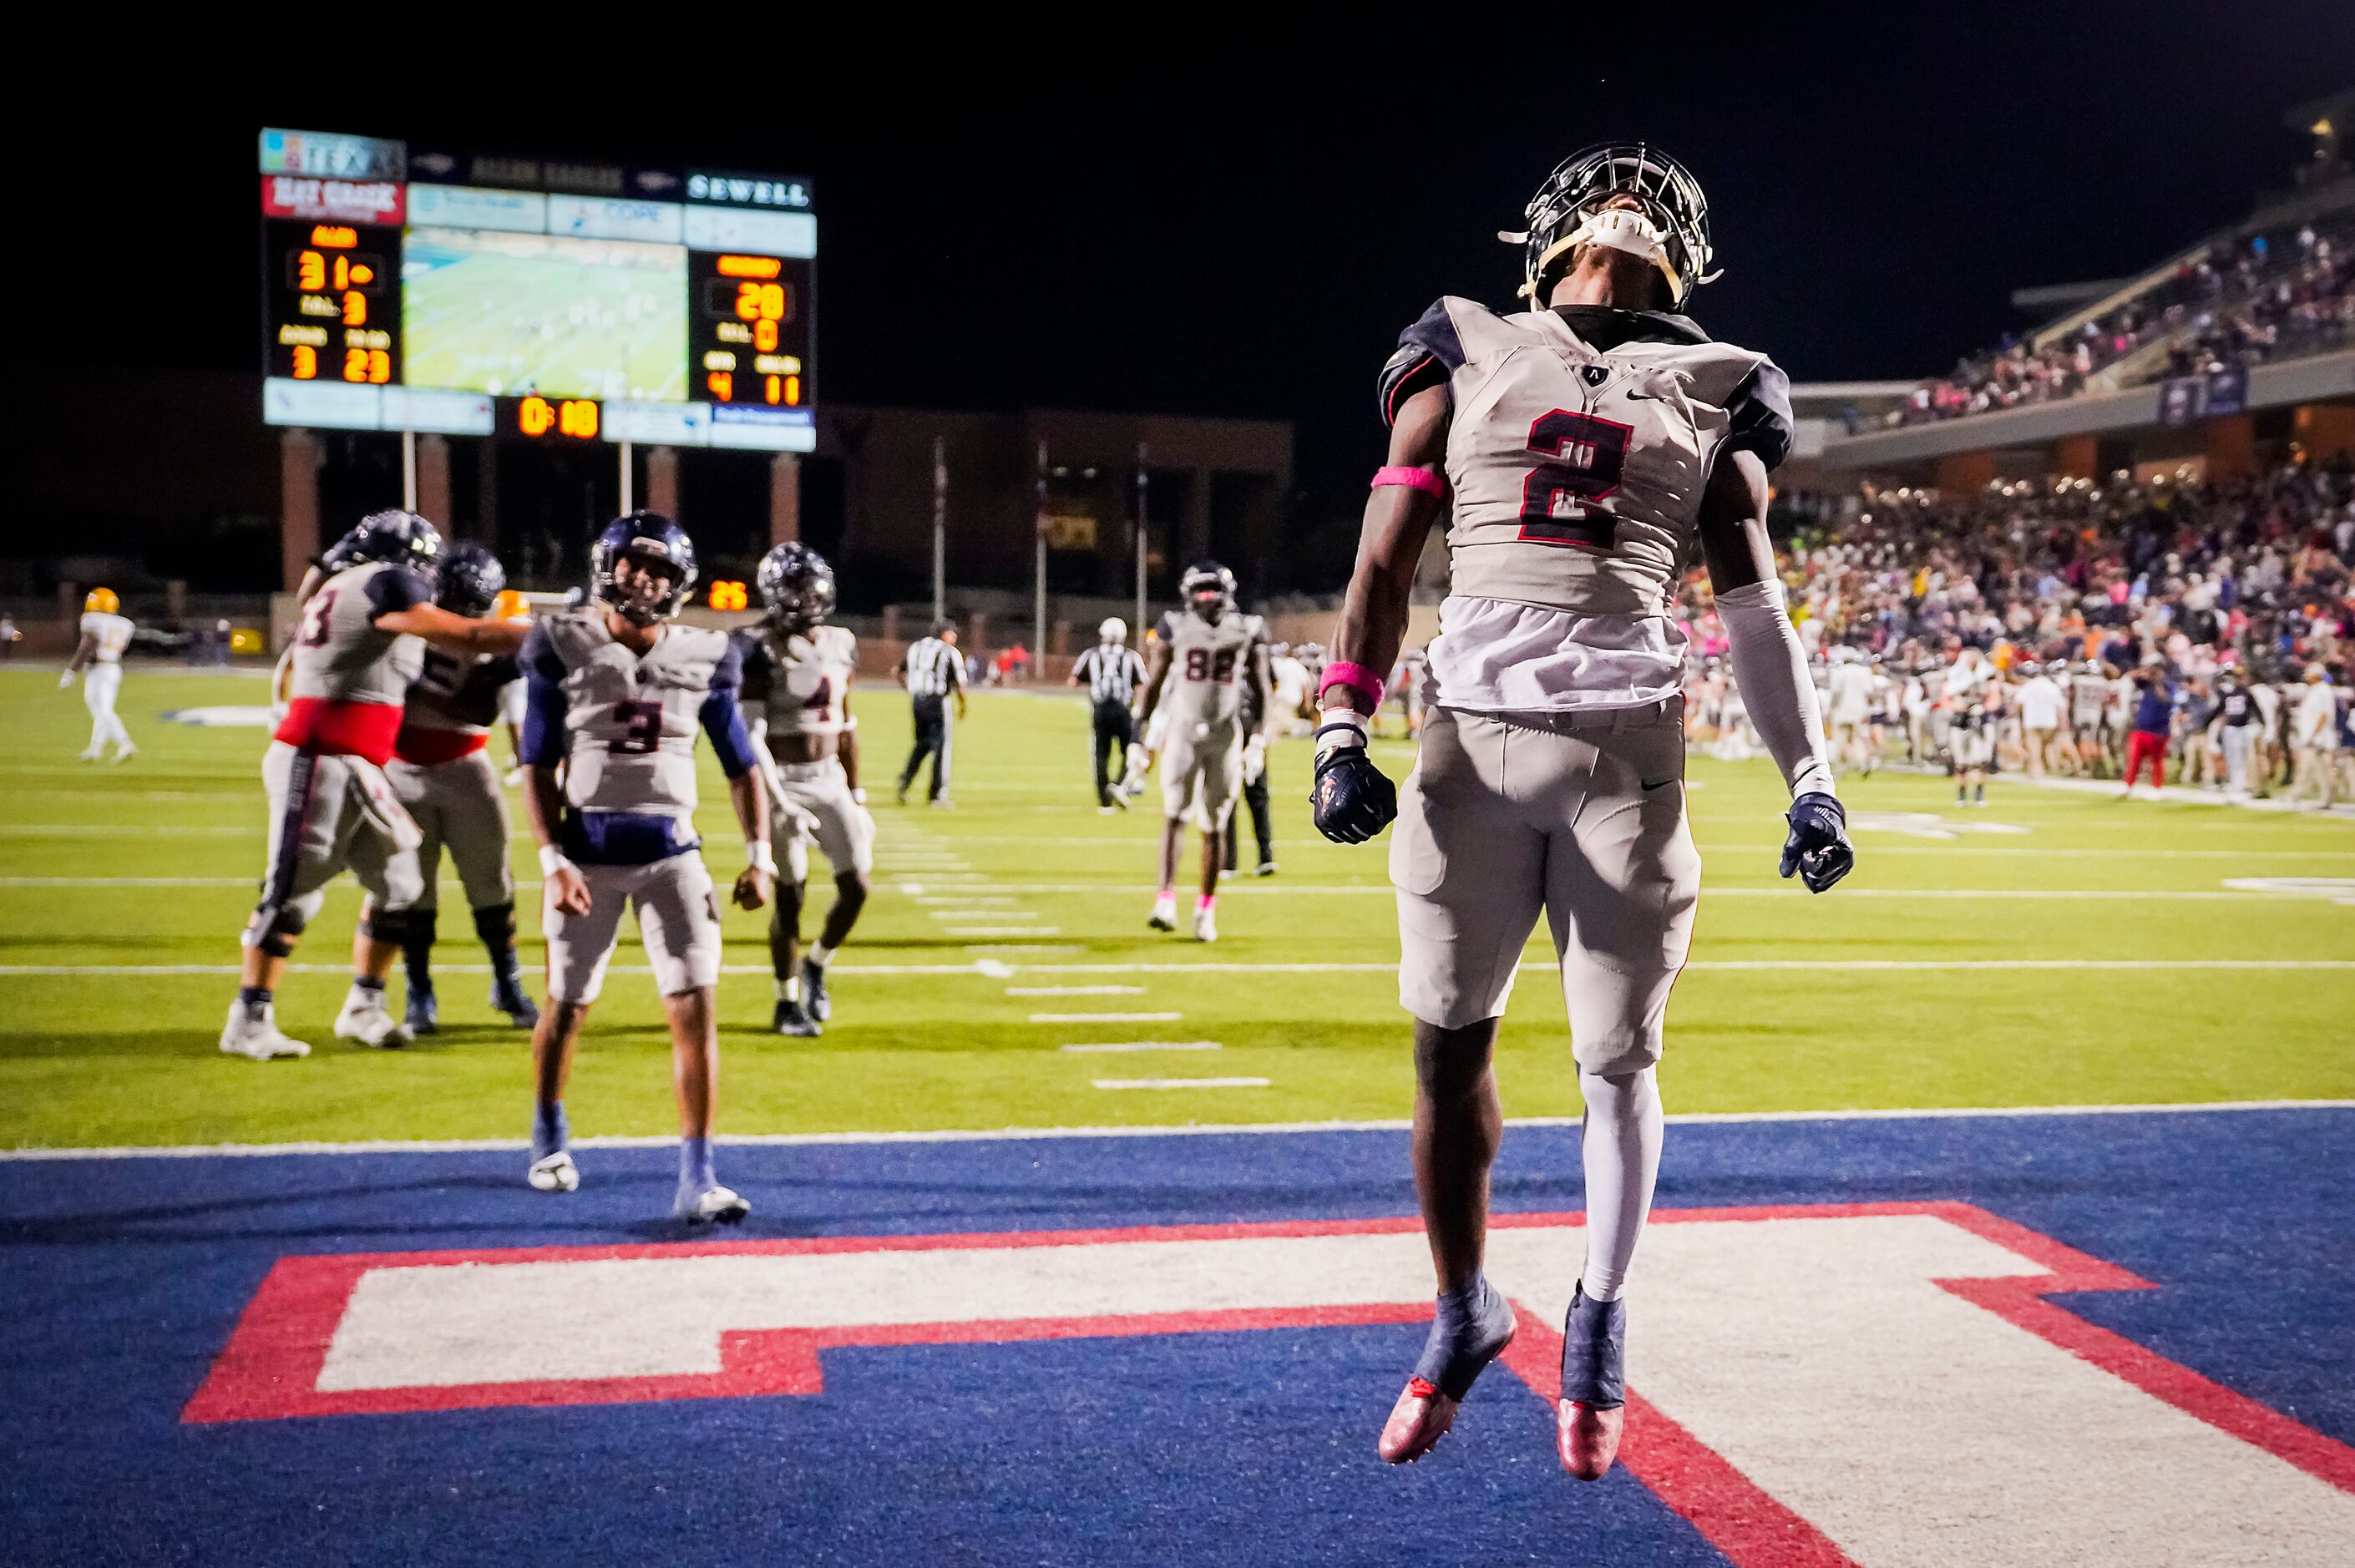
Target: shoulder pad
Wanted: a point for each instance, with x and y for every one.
(1429, 352)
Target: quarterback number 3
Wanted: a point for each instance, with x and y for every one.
(641, 725)
(1583, 459)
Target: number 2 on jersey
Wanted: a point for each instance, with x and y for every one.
(1584, 459)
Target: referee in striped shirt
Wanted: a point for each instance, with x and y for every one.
(1113, 670)
(933, 672)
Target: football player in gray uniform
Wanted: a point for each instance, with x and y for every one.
(1203, 658)
(1586, 444)
(798, 675)
(441, 771)
(615, 696)
(367, 615)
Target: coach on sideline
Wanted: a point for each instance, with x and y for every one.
(933, 670)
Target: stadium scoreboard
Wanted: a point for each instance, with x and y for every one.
(419, 289)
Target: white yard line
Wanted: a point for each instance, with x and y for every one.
(1075, 990)
(1105, 1017)
(1191, 1129)
(1181, 1083)
(1117, 1045)
(1004, 930)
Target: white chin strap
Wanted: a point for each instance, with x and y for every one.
(1615, 229)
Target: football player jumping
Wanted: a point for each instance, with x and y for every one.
(616, 696)
(1201, 658)
(367, 615)
(443, 773)
(798, 675)
(1585, 443)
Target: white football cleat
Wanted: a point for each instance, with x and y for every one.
(94, 754)
(1206, 928)
(126, 752)
(554, 1173)
(364, 1019)
(712, 1206)
(1165, 913)
(254, 1033)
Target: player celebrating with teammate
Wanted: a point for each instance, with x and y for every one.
(367, 615)
(616, 696)
(97, 659)
(444, 775)
(1203, 656)
(1586, 443)
(798, 675)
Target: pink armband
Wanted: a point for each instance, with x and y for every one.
(1357, 677)
(1421, 479)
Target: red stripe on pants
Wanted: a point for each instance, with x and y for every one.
(2143, 745)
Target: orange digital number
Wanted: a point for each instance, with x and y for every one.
(772, 390)
(380, 365)
(355, 306)
(577, 418)
(793, 389)
(761, 301)
(535, 417)
(355, 364)
(722, 384)
(729, 595)
(307, 361)
(311, 272)
(764, 336)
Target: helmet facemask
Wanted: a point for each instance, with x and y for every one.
(643, 588)
(1626, 196)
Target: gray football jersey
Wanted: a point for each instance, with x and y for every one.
(1208, 665)
(1577, 470)
(340, 655)
(798, 682)
(459, 692)
(631, 721)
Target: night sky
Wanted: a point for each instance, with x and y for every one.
(1240, 224)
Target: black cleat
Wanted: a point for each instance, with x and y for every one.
(423, 1013)
(814, 1000)
(509, 996)
(792, 1018)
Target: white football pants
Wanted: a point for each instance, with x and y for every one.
(100, 684)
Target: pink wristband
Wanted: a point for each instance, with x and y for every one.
(1358, 678)
(1421, 479)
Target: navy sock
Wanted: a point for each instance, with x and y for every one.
(695, 1165)
(372, 987)
(1594, 1351)
(253, 996)
(548, 1130)
(1468, 1327)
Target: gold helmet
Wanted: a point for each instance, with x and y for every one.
(102, 600)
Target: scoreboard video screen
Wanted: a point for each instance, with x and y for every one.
(428, 290)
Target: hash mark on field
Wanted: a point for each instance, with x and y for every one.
(1028, 947)
(1005, 931)
(962, 899)
(1144, 1045)
(1181, 1083)
(1075, 990)
(1105, 1017)
(983, 913)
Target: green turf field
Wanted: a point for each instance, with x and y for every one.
(122, 890)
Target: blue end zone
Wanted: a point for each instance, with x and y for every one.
(121, 1281)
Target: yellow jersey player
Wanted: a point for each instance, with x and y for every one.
(97, 659)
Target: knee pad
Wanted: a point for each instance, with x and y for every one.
(276, 937)
(389, 925)
(496, 925)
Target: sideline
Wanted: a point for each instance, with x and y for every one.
(1191, 1129)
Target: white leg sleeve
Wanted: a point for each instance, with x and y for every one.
(1775, 688)
(1621, 1150)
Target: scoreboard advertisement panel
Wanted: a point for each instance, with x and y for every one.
(467, 294)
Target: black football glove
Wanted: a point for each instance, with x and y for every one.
(1817, 848)
(1351, 798)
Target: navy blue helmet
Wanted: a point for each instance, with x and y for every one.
(470, 580)
(401, 537)
(1209, 589)
(664, 556)
(796, 587)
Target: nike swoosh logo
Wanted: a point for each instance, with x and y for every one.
(1661, 785)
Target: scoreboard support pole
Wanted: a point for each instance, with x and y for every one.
(629, 478)
(1038, 554)
(298, 505)
(1143, 484)
(409, 470)
(940, 529)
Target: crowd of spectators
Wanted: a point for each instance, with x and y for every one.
(2181, 583)
(2274, 294)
